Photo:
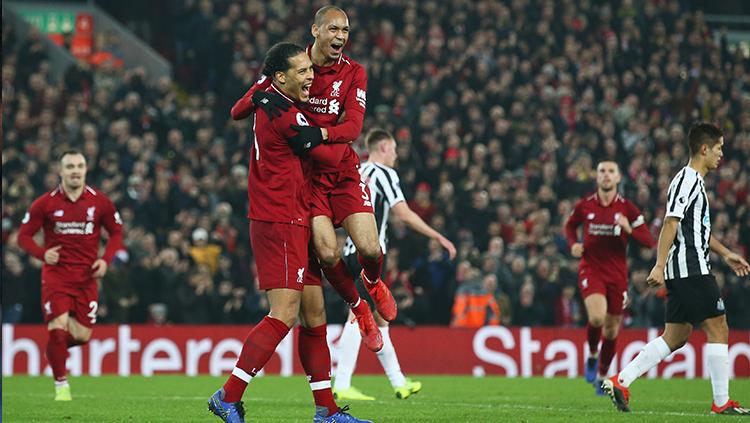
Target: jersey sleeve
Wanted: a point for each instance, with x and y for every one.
(682, 188)
(354, 110)
(112, 222)
(392, 188)
(640, 230)
(244, 107)
(574, 221)
(32, 221)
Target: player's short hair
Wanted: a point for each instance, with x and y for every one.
(703, 133)
(617, 165)
(375, 136)
(321, 13)
(277, 58)
(71, 152)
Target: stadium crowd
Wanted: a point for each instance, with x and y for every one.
(501, 111)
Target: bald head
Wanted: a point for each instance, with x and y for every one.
(321, 14)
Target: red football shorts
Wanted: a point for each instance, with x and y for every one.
(80, 300)
(280, 251)
(615, 291)
(340, 195)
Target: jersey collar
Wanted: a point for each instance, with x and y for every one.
(281, 93)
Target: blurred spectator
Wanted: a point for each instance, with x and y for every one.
(498, 122)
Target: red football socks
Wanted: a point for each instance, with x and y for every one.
(342, 282)
(260, 344)
(607, 353)
(594, 335)
(371, 267)
(57, 353)
(316, 360)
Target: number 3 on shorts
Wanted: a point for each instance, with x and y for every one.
(92, 314)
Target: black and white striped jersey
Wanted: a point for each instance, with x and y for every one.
(385, 192)
(687, 201)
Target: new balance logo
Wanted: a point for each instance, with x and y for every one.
(48, 308)
(58, 213)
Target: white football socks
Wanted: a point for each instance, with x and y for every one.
(717, 356)
(654, 352)
(348, 352)
(389, 360)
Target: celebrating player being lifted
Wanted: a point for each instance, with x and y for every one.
(383, 181)
(72, 216)
(336, 110)
(608, 220)
(278, 191)
(693, 298)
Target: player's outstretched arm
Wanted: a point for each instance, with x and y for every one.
(666, 238)
(113, 224)
(406, 214)
(738, 263)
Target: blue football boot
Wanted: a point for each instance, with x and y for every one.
(592, 364)
(230, 412)
(340, 417)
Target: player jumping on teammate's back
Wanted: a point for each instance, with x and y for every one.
(278, 191)
(336, 110)
(72, 216)
(693, 298)
(608, 220)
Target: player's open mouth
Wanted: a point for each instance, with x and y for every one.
(337, 47)
(306, 89)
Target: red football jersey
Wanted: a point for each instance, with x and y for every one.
(76, 227)
(278, 181)
(339, 88)
(604, 242)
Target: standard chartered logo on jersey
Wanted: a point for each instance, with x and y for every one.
(74, 228)
(323, 105)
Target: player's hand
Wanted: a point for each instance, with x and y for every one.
(577, 250)
(624, 223)
(739, 265)
(308, 137)
(100, 268)
(656, 277)
(271, 103)
(52, 255)
(448, 245)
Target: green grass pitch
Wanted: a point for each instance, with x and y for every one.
(288, 399)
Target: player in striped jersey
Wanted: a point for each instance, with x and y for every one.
(386, 195)
(693, 298)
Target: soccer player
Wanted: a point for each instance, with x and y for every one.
(693, 298)
(71, 216)
(279, 215)
(608, 220)
(383, 181)
(336, 110)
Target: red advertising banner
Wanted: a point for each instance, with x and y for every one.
(491, 350)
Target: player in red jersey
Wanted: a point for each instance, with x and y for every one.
(608, 220)
(336, 110)
(278, 190)
(71, 216)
